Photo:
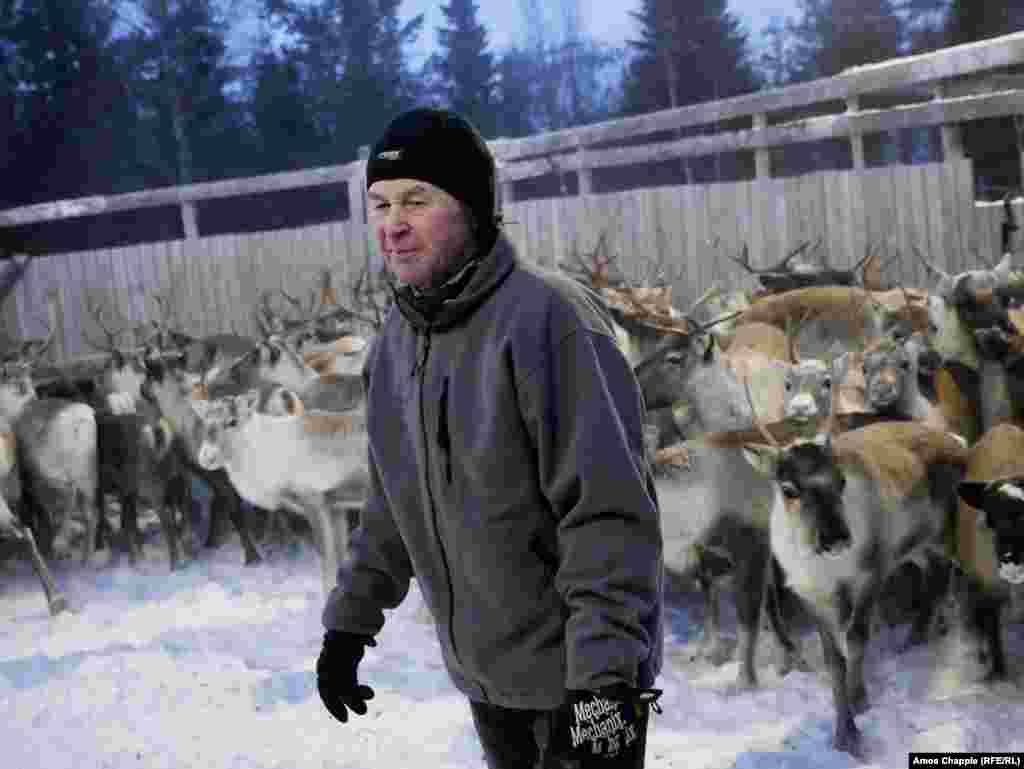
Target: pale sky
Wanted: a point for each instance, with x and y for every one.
(606, 20)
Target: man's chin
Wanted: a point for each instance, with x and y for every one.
(410, 277)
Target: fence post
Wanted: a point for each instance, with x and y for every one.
(357, 206)
(762, 156)
(189, 219)
(856, 139)
(55, 317)
(952, 139)
(1018, 122)
(585, 175)
(357, 189)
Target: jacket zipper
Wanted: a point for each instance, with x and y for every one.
(430, 500)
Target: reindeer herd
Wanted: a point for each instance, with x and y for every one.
(822, 442)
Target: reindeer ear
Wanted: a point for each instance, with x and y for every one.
(764, 459)
(162, 437)
(285, 403)
(709, 348)
(973, 492)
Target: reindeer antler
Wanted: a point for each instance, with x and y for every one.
(596, 273)
(97, 311)
(929, 266)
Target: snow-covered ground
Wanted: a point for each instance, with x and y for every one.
(211, 668)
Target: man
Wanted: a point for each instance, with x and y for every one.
(508, 474)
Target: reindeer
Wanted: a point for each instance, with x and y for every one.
(847, 510)
(138, 463)
(990, 537)
(720, 505)
(279, 456)
(960, 306)
(118, 383)
(13, 531)
(828, 317)
(893, 386)
(790, 273)
(275, 362)
(170, 390)
(56, 441)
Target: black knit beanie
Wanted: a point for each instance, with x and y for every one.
(441, 147)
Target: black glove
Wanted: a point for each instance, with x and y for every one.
(336, 673)
(607, 727)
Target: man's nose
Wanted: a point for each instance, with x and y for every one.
(395, 223)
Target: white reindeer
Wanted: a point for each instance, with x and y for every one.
(57, 447)
(279, 456)
(13, 530)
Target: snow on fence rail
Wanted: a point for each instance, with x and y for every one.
(214, 280)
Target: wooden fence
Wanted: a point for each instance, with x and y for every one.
(213, 281)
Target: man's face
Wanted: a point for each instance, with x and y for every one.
(421, 229)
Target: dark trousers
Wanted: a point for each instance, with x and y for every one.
(518, 739)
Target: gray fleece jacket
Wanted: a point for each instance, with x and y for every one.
(508, 476)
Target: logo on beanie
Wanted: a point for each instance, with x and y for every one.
(390, 154)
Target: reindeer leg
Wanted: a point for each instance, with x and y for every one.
(988, 618)
(104, 534)
(846, 736)
(856, 641)
(130, 527)
(317, 512)
(792, 658)
(55, 600)
(226, 499)
(751, 583)
(178, 499)
(166, 513)
(935, 579)
(88, 509)
(712, 647)
(219, 514)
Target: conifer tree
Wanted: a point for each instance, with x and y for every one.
(465, 66)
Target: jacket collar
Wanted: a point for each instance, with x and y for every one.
(461, 294)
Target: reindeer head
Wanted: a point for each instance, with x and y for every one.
(222, 418)
(271, 360)
(16, 388)
(890, 374)
(1001, 503)
(665, 373)
(963, 303)
(16, 367)
(811, 484)
(808, 387)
